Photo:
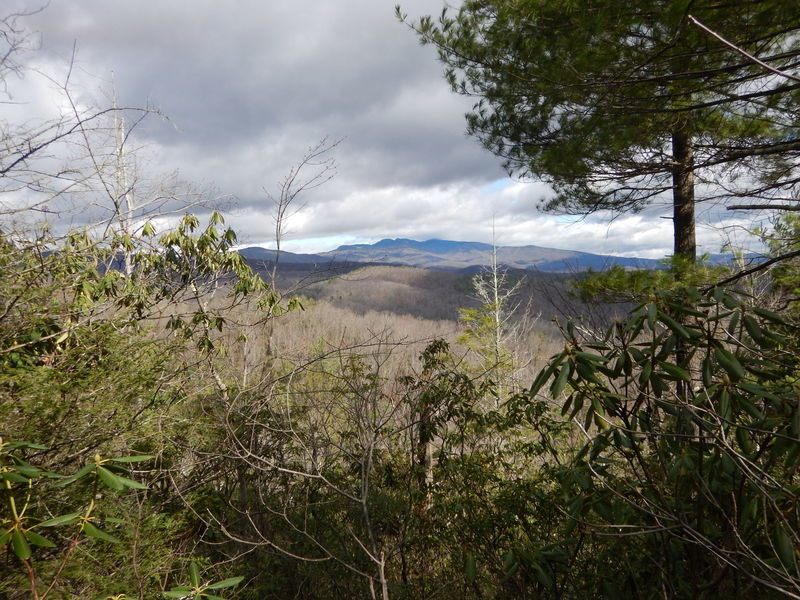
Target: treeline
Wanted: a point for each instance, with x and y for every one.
(440, 294)
(171, 424)
(176, 433)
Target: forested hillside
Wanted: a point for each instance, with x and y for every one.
(177, 424)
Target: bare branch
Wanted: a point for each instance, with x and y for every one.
(759, 267)
(744, 53)
(786, 207)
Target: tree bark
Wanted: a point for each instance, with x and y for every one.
(425, 455)
(685, 245)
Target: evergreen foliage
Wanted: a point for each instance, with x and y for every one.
(618, 105)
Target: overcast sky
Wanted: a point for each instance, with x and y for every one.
(250, 85)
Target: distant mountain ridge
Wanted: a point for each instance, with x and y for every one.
(455, 255)
(435, 246)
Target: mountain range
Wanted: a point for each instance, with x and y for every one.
(453, 255)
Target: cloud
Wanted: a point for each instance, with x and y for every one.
(249, 85)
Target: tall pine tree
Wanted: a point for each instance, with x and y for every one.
(620, 104)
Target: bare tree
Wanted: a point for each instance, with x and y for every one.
(301, 458)
(495, 329)
(314, 169)
(14, 40)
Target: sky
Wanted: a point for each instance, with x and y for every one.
(247, 87)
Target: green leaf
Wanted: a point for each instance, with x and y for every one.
(567, 403)
(708, 375)
(790, 462)
(667, 345)
(644, 376)
(637, 355)
(62, 520)
(784, 548)
(749, 509)
(194, 574)
(745, 443)
(587, 373)
(20, 545)
(561, 381)
(719, 316)
(676, 372)
(81, 473)
(544, 375)
(686, 310)
(729, 301)
(652, 314)
(131, 483)
(469, 567)
(23, 444)
(509, 560)
(542, 575)
(759, 391)
(28, 471)
(589, 417)
(130, 459)
(733, 323)
(725, 405)
(577, 400)
(37, 540)
(92, 531)
(621, 439)
(729, 362)
(226, 583)
(110, 480)
(616, 369)
(675, 326)
(177, 593)
(769, 315)
(751, 409)
(590, 357)
(753, 328)
(659, 387)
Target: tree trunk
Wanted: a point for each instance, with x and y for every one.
(425, 455)
(685, 245)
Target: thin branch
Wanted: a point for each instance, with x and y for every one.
(750, 271)
(744, 53)
(786, 207)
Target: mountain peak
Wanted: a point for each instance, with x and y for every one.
(434, 245)
(450, 254)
